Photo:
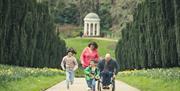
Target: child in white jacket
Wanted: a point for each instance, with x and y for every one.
(69, 63)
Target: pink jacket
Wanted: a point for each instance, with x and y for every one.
(87, 56)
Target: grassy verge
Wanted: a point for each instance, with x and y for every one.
(14, 78)
(105, 46)
(153, 80)
(31, 83)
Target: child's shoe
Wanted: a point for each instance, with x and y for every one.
(71, 82)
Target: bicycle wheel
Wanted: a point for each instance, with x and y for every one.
(99, 85)
(113, 85)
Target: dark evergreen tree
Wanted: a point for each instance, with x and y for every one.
(152, 39)
(27, 35)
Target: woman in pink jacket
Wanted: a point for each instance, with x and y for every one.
(89, 53)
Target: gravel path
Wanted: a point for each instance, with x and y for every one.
(80, 85)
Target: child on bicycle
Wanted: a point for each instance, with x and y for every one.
(92, 74)
(69, 64)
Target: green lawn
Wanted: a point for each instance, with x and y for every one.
(39, 83)
(105, 46)
(153, 79)
(14, 78)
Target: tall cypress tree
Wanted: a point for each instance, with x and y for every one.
(152, 39)
(27, 35)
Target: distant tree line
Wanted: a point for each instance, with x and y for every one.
(74, 11)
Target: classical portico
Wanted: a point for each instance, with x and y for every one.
(92, 25)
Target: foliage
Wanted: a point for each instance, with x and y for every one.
(114, 14)
(69, 31)
(14, 78)
(27, 36)
(69, 15)
(105, 16)
(153, 79)
(122, 14)
(157, 73)
(74, 12)
(152, 40)
(15, 73)
(85, 7)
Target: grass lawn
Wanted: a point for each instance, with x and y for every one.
(14, 78)
(31, 83)
(105, 46)
(153, 80)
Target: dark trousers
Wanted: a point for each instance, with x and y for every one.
(106, 78)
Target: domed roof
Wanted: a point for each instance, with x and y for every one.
(92, 16)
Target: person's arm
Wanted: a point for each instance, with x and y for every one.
(82, 56)
(63, 63)
(101, 65)
(117, 67)
(97, 56)
(87, 71)
(76, 64)
(98, 73)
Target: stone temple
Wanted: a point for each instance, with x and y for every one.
(91, 25)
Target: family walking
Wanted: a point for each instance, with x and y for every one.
(95, 68)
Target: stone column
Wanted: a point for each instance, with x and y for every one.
(98, 29)
(94, 29)
(85, 29)
(89, 28)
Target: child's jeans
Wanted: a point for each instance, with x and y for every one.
(91, 84)
(69, 76)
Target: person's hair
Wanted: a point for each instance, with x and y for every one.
(71, 50)
(107, 55)
(94, 44)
